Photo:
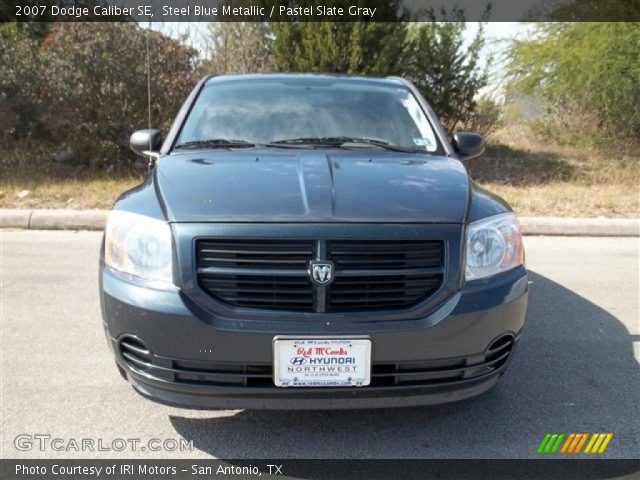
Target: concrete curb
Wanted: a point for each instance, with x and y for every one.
(584, 227)
(96, 220)
(54, 219)
(15, 218)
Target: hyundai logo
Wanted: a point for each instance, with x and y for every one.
(298, 361)
(321, 272)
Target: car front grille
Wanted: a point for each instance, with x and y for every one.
(258, 291)
(385, 254)
(402, 277)
(241, 272)
(278, 254)
(275, 274)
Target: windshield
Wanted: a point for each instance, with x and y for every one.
(265, 111)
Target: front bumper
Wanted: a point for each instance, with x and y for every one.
(174, 354)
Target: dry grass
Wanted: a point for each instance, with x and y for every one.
(564, 199)
(535, 175)
(96, 191)
(541, 177)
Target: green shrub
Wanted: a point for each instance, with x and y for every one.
(485, 118)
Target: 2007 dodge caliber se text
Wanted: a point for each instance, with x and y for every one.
(310, 241)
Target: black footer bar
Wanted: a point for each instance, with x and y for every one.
(318, 469)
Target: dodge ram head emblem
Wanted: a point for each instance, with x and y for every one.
(321, 272)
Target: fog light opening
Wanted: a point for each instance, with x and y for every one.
(499, 350)
(134, 352)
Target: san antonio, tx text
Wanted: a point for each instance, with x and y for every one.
(123, 469)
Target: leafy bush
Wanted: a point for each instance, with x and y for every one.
(234, 48)
(19, 81)
(90, 90)
(485, 118)
(588, 73)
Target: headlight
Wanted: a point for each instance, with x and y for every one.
(494, 245)
(139, 246)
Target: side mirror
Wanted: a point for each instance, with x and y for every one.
(146, 142)
(468, 145)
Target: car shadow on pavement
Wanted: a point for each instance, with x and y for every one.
(573, 371)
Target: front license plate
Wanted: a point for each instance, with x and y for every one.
(321, 362)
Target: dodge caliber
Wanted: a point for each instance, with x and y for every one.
(310, 242)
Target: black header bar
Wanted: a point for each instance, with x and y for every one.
(318, 10)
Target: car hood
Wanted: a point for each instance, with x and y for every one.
(312, 186)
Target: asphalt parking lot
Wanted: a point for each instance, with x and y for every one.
(576, 369)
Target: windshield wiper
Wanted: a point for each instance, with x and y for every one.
(339, 142)
(214, 143)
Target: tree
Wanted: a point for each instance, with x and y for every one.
(237, 47)
(585, 11)
(590, 69)
(357, 48)
(338, 47)
(445, 69)
(434, 56)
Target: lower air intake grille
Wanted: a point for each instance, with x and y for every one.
(222, 374)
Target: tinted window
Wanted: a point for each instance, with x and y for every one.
(268, 110)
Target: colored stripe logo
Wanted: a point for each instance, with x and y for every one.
(574, 443)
